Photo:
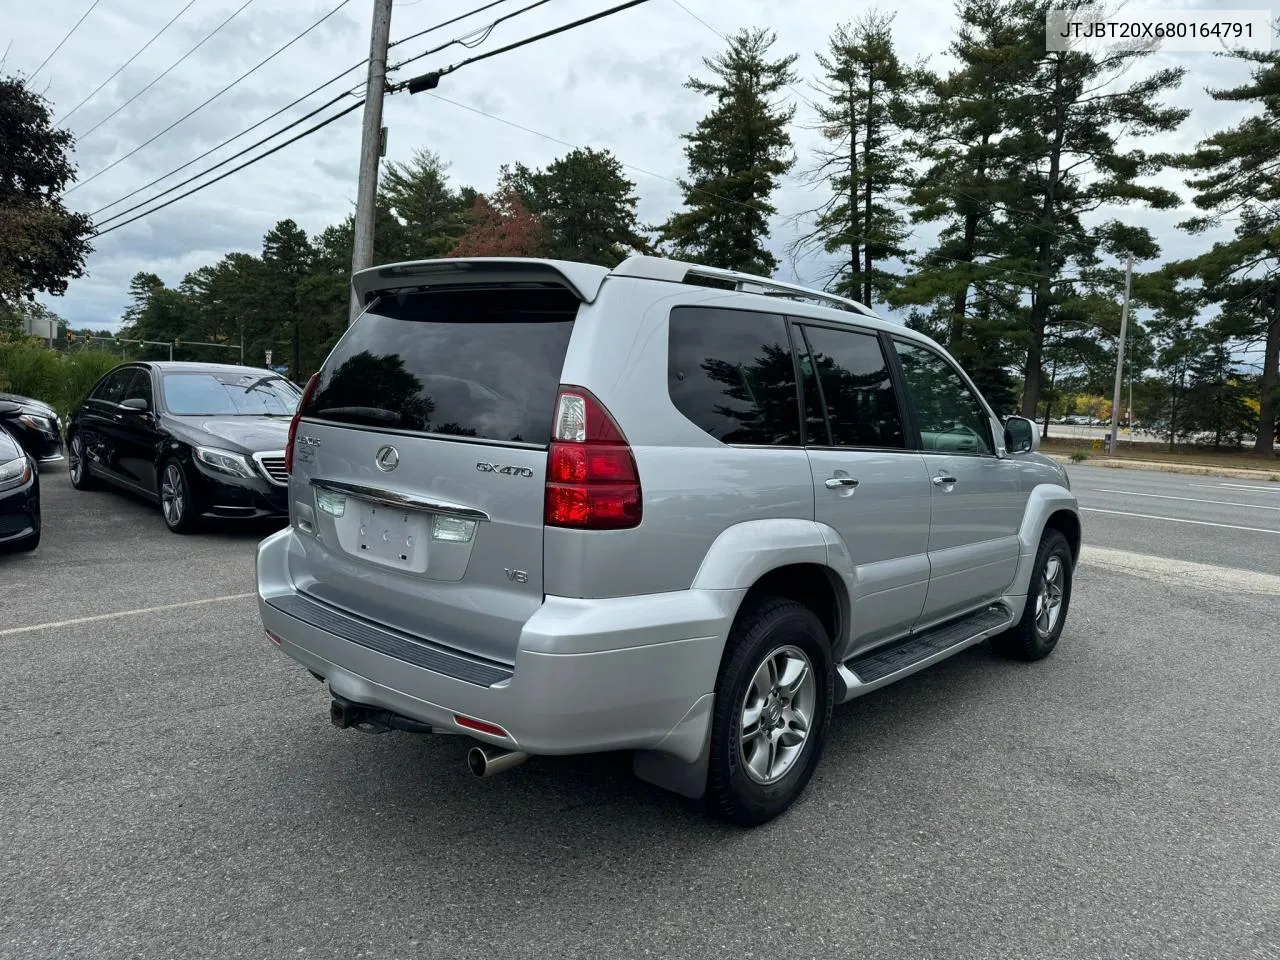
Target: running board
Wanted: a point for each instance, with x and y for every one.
(884, 665)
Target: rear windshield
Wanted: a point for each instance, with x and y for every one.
(469, 363)
(229, 395)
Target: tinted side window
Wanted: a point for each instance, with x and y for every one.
(862, 407)
(481, 363)
(951, 418)
(731, 372)
(111, 389)
(139, 388)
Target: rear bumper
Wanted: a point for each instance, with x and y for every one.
(589, 675)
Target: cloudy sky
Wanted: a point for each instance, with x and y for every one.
(614, 84)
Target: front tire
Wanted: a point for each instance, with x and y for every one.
(1048, 598)
(176, 501)
(78, 465)
(772, 710)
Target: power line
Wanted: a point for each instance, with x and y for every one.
(465, 40)
(167, 71)
(64, 40)
(186, 116)
(220, 163)
(276, 149)
(429, 81)
(277, 113)
(231, 139)
(447, 23)
(121, 68)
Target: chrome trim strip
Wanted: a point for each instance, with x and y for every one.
(390, 498)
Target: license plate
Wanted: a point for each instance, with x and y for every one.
(388, 536)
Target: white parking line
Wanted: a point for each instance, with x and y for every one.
(1198, 523)
(76, 621)
(1181, 573)
(1161, 496)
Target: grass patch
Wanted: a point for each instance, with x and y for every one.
(1078, 449)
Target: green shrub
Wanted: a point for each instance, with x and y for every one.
(30, 371)
(1079, 457)
(80, 371)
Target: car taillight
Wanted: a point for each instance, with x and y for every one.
(293, 424)
(592, 480)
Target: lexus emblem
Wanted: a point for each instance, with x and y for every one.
(387, 458)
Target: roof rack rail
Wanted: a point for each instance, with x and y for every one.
(678, 271)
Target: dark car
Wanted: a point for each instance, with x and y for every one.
(19, 493)
(203, 440)
(35, 425)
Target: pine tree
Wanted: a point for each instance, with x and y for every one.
(967, 190)
(287, 255)
(1067, 118)
(1238, 176)
(864, 163)
(585, 203)
(737, 155)
(432, 213)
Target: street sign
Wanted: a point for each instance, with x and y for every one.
(268, 358)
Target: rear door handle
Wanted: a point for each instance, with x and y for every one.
(943, 480)
(835, 483)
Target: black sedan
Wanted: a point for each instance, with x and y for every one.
(202, 440)
(35, 425)
(19, 494)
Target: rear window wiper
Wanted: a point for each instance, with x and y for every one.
(372, 413)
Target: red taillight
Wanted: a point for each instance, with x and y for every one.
(293, 424)
(592, 481)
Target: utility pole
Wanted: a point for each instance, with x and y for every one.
(1124, 328)
(370, 145)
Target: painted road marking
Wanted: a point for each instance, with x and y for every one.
(1161, 496)
(1274, 488)
(1181, 573)
(75, 622)
(1198, 523)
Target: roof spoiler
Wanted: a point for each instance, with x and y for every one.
(581, 279)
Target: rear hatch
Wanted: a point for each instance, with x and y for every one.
(420, 461)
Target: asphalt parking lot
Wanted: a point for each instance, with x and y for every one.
(170, 785)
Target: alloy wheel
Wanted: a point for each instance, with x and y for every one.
(1049, 597)
(173, 495)
(777, 713)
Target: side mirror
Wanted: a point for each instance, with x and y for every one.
(9, 409)
(135, 405)
(1021, 435)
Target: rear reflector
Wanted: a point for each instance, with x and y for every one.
(277, 640)
(492, 729)
(592, 480)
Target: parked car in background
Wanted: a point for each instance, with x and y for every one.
(19, 491)
(202, 440)
(564, 509)
(35, 425)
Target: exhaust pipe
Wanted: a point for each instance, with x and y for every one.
(489, 761)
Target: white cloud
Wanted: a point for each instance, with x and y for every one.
(616, 83)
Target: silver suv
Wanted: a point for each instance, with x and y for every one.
(662, 508)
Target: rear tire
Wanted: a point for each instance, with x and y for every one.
(78, 465)
(772, 711)
(1048, 598)
(177, 506)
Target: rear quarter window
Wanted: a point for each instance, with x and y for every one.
(731, 372)
(478, 363)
